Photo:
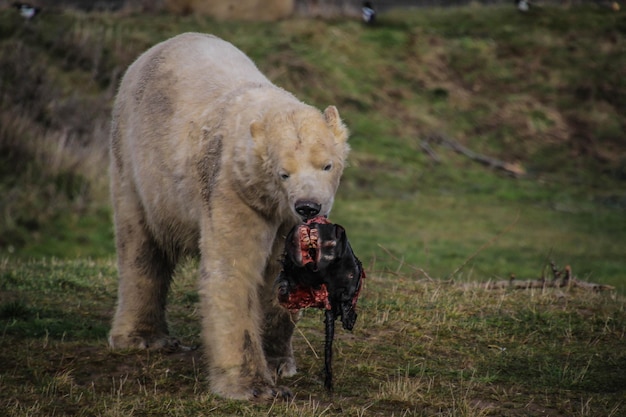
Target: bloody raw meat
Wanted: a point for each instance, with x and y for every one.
(301, 297)
(320, 270)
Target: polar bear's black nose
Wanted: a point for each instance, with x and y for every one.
(307, 209)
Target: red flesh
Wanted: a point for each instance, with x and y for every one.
(302, 297)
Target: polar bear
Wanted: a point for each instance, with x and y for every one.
(209, 157)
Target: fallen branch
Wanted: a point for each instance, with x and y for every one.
(561, 279)
(425, 145)
(513, 169)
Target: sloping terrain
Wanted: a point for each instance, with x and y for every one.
(543, 93)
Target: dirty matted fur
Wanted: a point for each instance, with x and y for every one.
(209, 157)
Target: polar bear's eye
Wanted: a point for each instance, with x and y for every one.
(284, 175)
(328, 167)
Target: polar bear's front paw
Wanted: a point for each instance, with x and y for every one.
(257, 388)
(270, 392)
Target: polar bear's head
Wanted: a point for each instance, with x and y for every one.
(302, 154)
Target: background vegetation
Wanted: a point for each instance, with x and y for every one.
(544, 91)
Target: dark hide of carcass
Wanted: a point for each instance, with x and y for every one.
(320, 270)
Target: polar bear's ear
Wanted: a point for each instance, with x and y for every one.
(331, 115)
(257, 130)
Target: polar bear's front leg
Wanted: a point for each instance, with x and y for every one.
(231, 272)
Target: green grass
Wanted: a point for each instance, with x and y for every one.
(539, 90)
(545, 91)
(420, 348)
(438, 231)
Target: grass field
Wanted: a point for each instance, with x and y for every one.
(420, 348)
(544, 91)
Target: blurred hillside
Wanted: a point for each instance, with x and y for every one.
(544, 91)
(256, 10)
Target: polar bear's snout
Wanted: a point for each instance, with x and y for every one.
(307, 209)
